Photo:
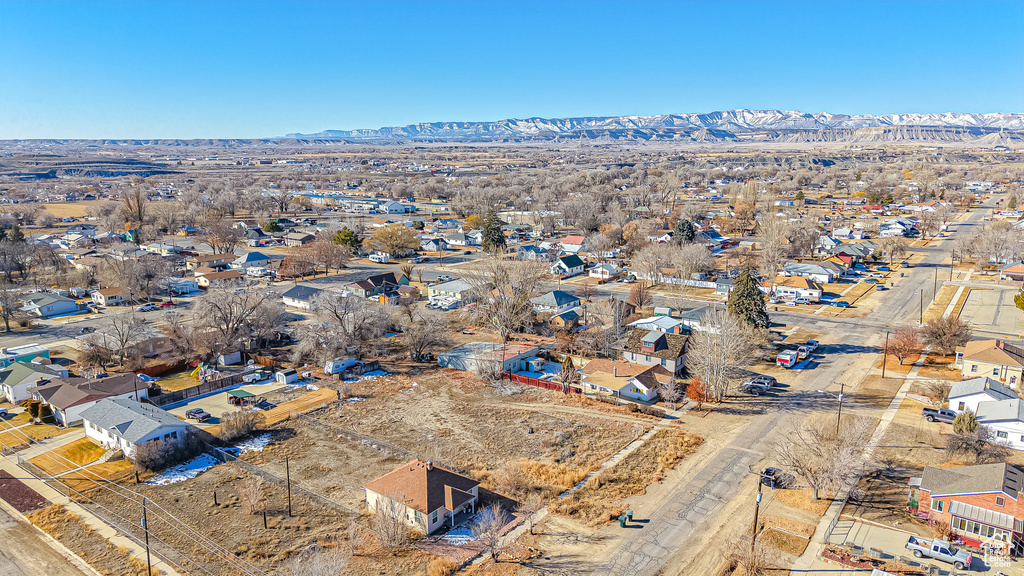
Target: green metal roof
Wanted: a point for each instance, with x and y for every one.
(240, 393)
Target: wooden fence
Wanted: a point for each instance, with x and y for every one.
(546, 384)
(198, 390)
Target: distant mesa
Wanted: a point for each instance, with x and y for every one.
(724, 126)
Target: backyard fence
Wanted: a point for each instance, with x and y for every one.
(835, 519)
(545, 384)
(193, 391)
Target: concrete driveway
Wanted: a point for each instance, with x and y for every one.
(217, 404)
(994, 311)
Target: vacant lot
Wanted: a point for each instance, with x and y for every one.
(71, 531)
(68, 456)
(876, 391)
(884, 499)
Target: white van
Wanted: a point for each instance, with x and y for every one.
(379, 258)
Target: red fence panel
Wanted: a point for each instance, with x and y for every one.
(538, 383)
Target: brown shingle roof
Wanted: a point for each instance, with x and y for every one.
(994, 351)
(422, 487)
(676, 344)
(619, 368)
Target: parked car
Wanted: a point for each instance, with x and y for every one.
(468, 252)
(880, 287)
(771, 476)
(197, 414)
(938, 414)
(3, 411)
(753, 389)
(939, 550)
(768, 381)
(811, 345)
(167, 304)
(906, 265)
(801, 300)
(840, 304)
(773, 300)
(147, 307)
(882, 268)
(870, 281)
(87, 330)
(803, 352)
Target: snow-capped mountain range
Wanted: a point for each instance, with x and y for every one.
(713, 126)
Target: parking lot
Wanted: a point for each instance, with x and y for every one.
(217, 404)
(993, 310)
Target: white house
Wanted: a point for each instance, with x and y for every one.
(1005, 418)
(124, 424)
(789, 288)
(425, 494)
(573, 244)
(823, 272)
(299, 296)
(623, 379)
(604, 271)
(555, 301)
(182, 286)
(968, 394)
(457, 289)
(68, 398)
(109, 297)
(250, 259)
(16, 379)
(47, 305)
(567, 266)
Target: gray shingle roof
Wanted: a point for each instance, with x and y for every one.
(303, 293)
(129, 419)
(1000, 477)
(1001, 410)
(20, 371)
(979, 385)
(555, 298)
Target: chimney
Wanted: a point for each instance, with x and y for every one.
(430, 465)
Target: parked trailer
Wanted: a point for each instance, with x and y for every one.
(788, 358)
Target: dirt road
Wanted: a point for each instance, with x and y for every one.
(25, 553)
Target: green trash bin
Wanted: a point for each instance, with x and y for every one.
(629, 515)
(622, 521)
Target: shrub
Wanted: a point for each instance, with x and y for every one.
(238, 424)
(159, 454)
(33, 409)
(442, 567)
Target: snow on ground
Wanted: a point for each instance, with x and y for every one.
(355, 399)
(459, 536)
(182, 472)
(256, 444)
(312, 387)
(369, 376)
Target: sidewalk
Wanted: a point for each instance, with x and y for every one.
(98, 525)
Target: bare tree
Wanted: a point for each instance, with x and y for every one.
(393, 239)
(424, 330)
(946, 333)
(980, 446)
(231, 315)
(529, 506)
(640, 295)
(511, 480)
(121, 333)
(756, 560)
(905, 342)
(670, 393)
(9, 307)
(222, 237)
(824, 459)
(771, 237)
(649, 261)
(489, 530)
(718, 349)
(251, 493)
(504, 289)
(389, 521)
(344, 324)
(895, 247)
(319, 561)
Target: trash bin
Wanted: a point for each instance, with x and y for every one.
(629, 515)
(622, 521)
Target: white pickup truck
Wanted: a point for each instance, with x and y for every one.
(939, 550)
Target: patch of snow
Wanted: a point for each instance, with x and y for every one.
(459, 536)
(186, 471)
(369, 376)
(355, 399)
(312, 387)
(256, 444)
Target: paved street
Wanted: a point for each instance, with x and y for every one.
(851, 346)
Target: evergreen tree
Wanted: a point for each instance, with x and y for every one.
(684, 231)
(16, 235)
(346, 237)
(746, 301)
(493, 237)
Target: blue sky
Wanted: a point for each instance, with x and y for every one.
(245, 69)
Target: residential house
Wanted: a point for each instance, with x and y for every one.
(162, 249)
(177, 286)
(16, 379)
(456, 239)
(251, 259)
(121, 424)
(433, 245)
(981, 503)
(555, 302)
(24, 353)
(1012, 273)
(997, 359)
(457, 289)
(792, 287)
(692, 318)
(219, 279)
(294, 239)
(665, 324)
(623, 379)
(426, 495)
(568, 321)
(379, 284)
(47, 305)
(827, 243)
(392, 207)
(656, 348)
(823, 272)
(532, 253)
(604, 271)
(109, 297)
(215, 261)
(567, 266)
(487, 356)
(855, 252)
(299, 296)
(573, 244)
(968, 394)
(69, 397)
(1005, 419)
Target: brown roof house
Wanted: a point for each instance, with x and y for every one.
(996, 359)
(655, 348)
(624, 379)
(425, 494)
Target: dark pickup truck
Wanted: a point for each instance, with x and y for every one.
(939, 415)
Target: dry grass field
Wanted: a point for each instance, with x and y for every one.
(69, 529)
(68, 456)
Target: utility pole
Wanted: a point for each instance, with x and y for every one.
(842, 388)
(757, 508)
(288, 480)
(921, 308)
(145, 526)
(952, 257)
(885, 353)
(935, 284)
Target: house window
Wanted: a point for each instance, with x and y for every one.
(960, 406)
(938, 505)
(1000, 501)
(433, 517)
(1013, 380)
(995, 371)
(1001, 435)
(664, 362)
(648, 358)
(974, 367)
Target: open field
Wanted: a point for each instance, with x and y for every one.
(876, 391)
(69, 529)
